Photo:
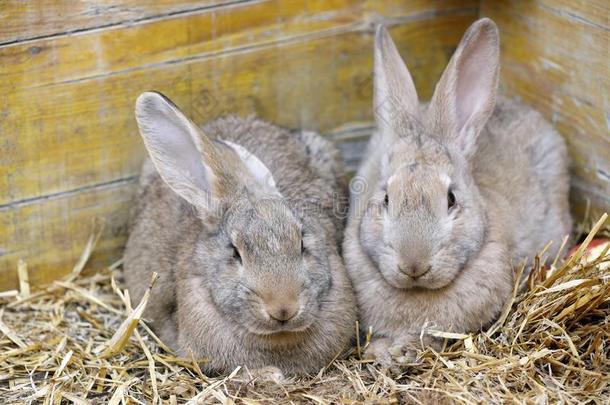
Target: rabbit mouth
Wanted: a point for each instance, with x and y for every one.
(402, 281)
(397, 279)
(281, 339)
(282, 334)
(281, 330)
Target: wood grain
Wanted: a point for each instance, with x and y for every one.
(70, 71)
(71, 102)
(51, 234)
(22, 20)
(70, 147)
(556, 57)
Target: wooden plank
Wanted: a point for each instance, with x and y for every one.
(71, 102)
(51, 234)
(556, 57)
(79, 134)
(51, 125)
(202, 34)
(22, 20)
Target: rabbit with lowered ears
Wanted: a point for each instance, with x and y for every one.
(452, 194)
(237, 219)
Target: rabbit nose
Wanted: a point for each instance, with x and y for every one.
(414, 271)
(280, 304)
(282, 312)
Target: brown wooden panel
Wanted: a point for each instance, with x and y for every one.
(65, 112)
(72, 140)
(21, 20)
(556, 57)
(51, 234)
(203, 34)
(69, 117)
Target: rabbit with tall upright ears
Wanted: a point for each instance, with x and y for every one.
(451, 195)
(238, 220)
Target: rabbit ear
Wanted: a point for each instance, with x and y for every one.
(394, 91)
(257, 169)
(465, 96)
(185, 158)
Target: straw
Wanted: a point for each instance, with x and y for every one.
(79, 341)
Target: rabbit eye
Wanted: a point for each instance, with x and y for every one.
(450, 200)
(386, 200)
(236, 255)
(302, 242)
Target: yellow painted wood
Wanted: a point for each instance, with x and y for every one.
(21, 20)
(556, 57)
(51, 234)
(203, 34)
(70, 147)
(64, 99)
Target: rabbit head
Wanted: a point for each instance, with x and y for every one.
(425, 219)
(261, 262)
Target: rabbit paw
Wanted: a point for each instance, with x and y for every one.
(403, 354)
(268, 373)
(379, 350)
(386, 351)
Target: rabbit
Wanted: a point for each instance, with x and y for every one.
(449, 197)
(238, 220)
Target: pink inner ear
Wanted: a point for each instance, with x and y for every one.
(475, 80)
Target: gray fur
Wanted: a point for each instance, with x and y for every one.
(417, 260)
(205, 301)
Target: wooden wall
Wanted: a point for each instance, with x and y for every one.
(70, 71)
(556, 57)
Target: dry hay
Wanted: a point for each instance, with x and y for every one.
(78, 341)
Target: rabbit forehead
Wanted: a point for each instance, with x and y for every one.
(266, 224)
(420, 147)
(418, 178)
(419, 185)
(414, 166)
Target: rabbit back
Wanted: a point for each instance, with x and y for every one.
(521, 168)
(161, 225)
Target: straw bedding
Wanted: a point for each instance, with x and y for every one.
(78, 341)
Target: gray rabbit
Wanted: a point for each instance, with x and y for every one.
(449, 197)
(238, 220)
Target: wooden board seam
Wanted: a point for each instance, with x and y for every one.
(215, 54)
(129, 23)
(367, 25)
(373, 19)
(62, 194)
(574, 17)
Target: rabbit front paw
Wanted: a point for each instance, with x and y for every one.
(264, 374)
(386, 351)
(379, 350)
